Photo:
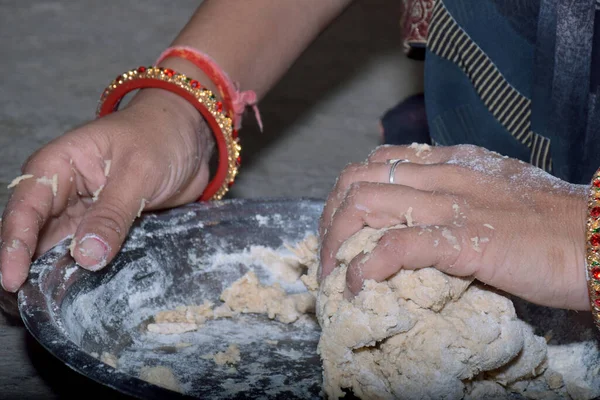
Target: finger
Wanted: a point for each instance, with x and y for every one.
(380, 205)
(423, 154)
(33, 201)
(442, 247)
(106, 223)
(415, 153)
(444, 178)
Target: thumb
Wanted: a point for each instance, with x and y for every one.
(106, 223)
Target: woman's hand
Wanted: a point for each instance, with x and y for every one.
(92, 182)
(473, 213)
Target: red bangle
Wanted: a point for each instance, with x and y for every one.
(201, 98)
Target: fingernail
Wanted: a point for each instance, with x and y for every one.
(2, 282)
(8, 288)
(93, 249)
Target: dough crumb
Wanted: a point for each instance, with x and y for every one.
(408, 216)
(475, 244)
(52, 182)
(161, 376)
(18, 180)
(107, 164)
(231, 356)
(272, 342)
(190, 315)
(451, 238)
(421, 148)
(109, 359)
(247, 295)
(14, 245)
(489, 226)
(142, 206)
(72, 247)
(222, 311)
(97, 193)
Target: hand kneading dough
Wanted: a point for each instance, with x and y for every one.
(425, 335)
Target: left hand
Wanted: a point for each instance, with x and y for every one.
(475, 213)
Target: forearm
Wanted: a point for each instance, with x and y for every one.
(256, 41)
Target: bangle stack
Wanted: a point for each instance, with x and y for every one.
(201, 98)
(593, 248)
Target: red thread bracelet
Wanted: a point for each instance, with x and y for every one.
(201, 98)
(235, 101)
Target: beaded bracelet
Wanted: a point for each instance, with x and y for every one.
(201, 98)
(593, 247)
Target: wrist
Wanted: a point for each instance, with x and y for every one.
(179, 113)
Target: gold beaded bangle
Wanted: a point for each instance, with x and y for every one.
(593, 248)
(202, 99)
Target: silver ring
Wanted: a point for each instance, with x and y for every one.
(394, 164)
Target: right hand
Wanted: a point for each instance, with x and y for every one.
(158, 147)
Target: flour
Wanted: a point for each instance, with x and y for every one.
(69, 271)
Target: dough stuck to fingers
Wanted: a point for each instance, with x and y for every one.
(142, 206)
(52, 182)
(18, 180)
(97, 193)
(107, 165)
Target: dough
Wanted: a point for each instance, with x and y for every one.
(230, 356)
(182, 319)
(18, 180)
(248, 295)
(425, 335)
(161, 376)
(287, 269)
(109, 359)
(52, 182)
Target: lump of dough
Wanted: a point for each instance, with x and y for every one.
(161, 376)
(181, 319)
(421, 334)
(230, 356)
(248, 295)
(109, 359)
